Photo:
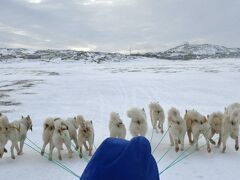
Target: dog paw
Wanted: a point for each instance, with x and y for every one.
(42, 153)
(177, 149)
(80, 155)
(236, 147)
(5, 150)
(50, 158)
(13, 157)
(20, 153)
(224, 149)
(60, 158)
(162, 131)
(208, 150)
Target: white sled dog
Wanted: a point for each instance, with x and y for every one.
(157, 116)
(72, 128)
(177, 128)
(197, 124)
(48, 128)
(17, 132)
(138, 125)
(116, 127)
(85, 135)
(3, 133)
(216, 120)
(60, 136)
(231, 125)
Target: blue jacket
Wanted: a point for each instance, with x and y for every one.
(118, 159)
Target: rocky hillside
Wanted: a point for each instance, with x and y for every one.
(195, 51)
(182, 52)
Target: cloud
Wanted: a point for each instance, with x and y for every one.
(117, 25)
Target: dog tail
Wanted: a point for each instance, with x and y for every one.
(136, 113)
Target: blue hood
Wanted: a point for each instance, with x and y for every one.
(119, 159)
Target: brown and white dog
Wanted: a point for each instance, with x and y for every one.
(157, 116)
(72, 128)
(216, 120)
(48, 128)
(197, 124)
(177, 128)
(230, 126)
(85, 135)
(16, 131)
(3, 133)
(60, 136)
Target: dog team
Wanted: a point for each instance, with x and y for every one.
(57, 131)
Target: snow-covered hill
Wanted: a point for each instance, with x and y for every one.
(196, 51)
(9, 53)
(182, 52)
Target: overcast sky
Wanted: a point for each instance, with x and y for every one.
(117, 25)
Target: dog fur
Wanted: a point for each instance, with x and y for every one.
(197, 124)
(215, 120)
(48, 128)
(3, 138)
(138, 125)
(116, 127)
(72, 128)
(230, 126)
(4, 122)
(4, 119)
(60, 136)
(177, 128)
(85, 135)
(157, 116)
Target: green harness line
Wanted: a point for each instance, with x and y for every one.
(160, 140)
(54, 161)
(164, 154)
(180, 157)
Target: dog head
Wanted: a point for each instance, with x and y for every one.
(235, 117)
(28, 122)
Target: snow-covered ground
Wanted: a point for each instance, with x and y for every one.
(67, 88)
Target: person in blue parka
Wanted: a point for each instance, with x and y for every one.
(119, 159)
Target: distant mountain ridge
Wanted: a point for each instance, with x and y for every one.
(183, 52)
(195, 51)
